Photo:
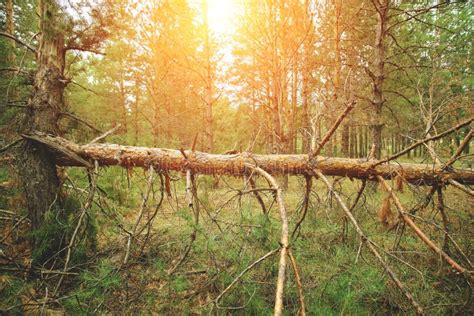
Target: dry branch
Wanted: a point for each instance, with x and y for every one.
(460, 149)
(443, 216)
(309, 184)
(90, 199)
(241, 274)
(140, 214)
(104, 135)
(283, 241)
(80, 120)
(406, 218)
(257, 195)
(19, 41)
(461, 187)
(425, 141)
(299, 285)
(193, 204)
(71, 154)
(370, 244)
(333, 129)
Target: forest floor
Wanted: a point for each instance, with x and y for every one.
(339, 275)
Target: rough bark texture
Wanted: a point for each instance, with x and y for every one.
(214, 164)
(36, 164)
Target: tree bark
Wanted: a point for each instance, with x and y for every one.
(36, 164)
(208, 85)
(378, 75)
(9, 29)
(71, 154)
(306, 124)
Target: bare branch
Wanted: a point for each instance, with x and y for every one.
(333, 129)
(103, 136)
(19, 41)
(406, 218)
(421, 142)
(370, 244)
(283, 241)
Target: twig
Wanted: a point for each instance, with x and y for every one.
(92, 188)
(351, 209)
(257, 195)
(19, 41)
(25, 217)
(140, 214)
(309, 183)
(444, 217)
(370, 245)
(191, 193)
(77, 118)
(101, 137)
(299, 285)
(241, 274)
(13, 143)
(151, 218)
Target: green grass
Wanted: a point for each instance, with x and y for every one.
(338, 277)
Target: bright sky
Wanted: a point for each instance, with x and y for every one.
(222, 16)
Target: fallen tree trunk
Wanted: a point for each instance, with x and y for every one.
(72, 154)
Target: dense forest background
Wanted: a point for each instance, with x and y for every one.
(279, 74)
(267, 76)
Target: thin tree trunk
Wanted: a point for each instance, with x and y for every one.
(378, 75)
(135, 112)
(293, 107)
(123, 103)
(306, 124)
(361, 141)
(345, 139)
(10, 30)
(209, 84)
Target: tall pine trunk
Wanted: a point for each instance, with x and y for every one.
(36, 165)
(208, 85)
(382, 9)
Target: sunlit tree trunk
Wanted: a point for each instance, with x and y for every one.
(293, 107)
(154, 128)
(382, 9)
(334, 106)
(306, 77)
(136, 123)
(208, 84)
(237, 165)
(123, 104)
(305, 124)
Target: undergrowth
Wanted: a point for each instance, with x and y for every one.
(340, 277)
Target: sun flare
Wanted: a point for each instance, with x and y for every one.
(221, 15)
